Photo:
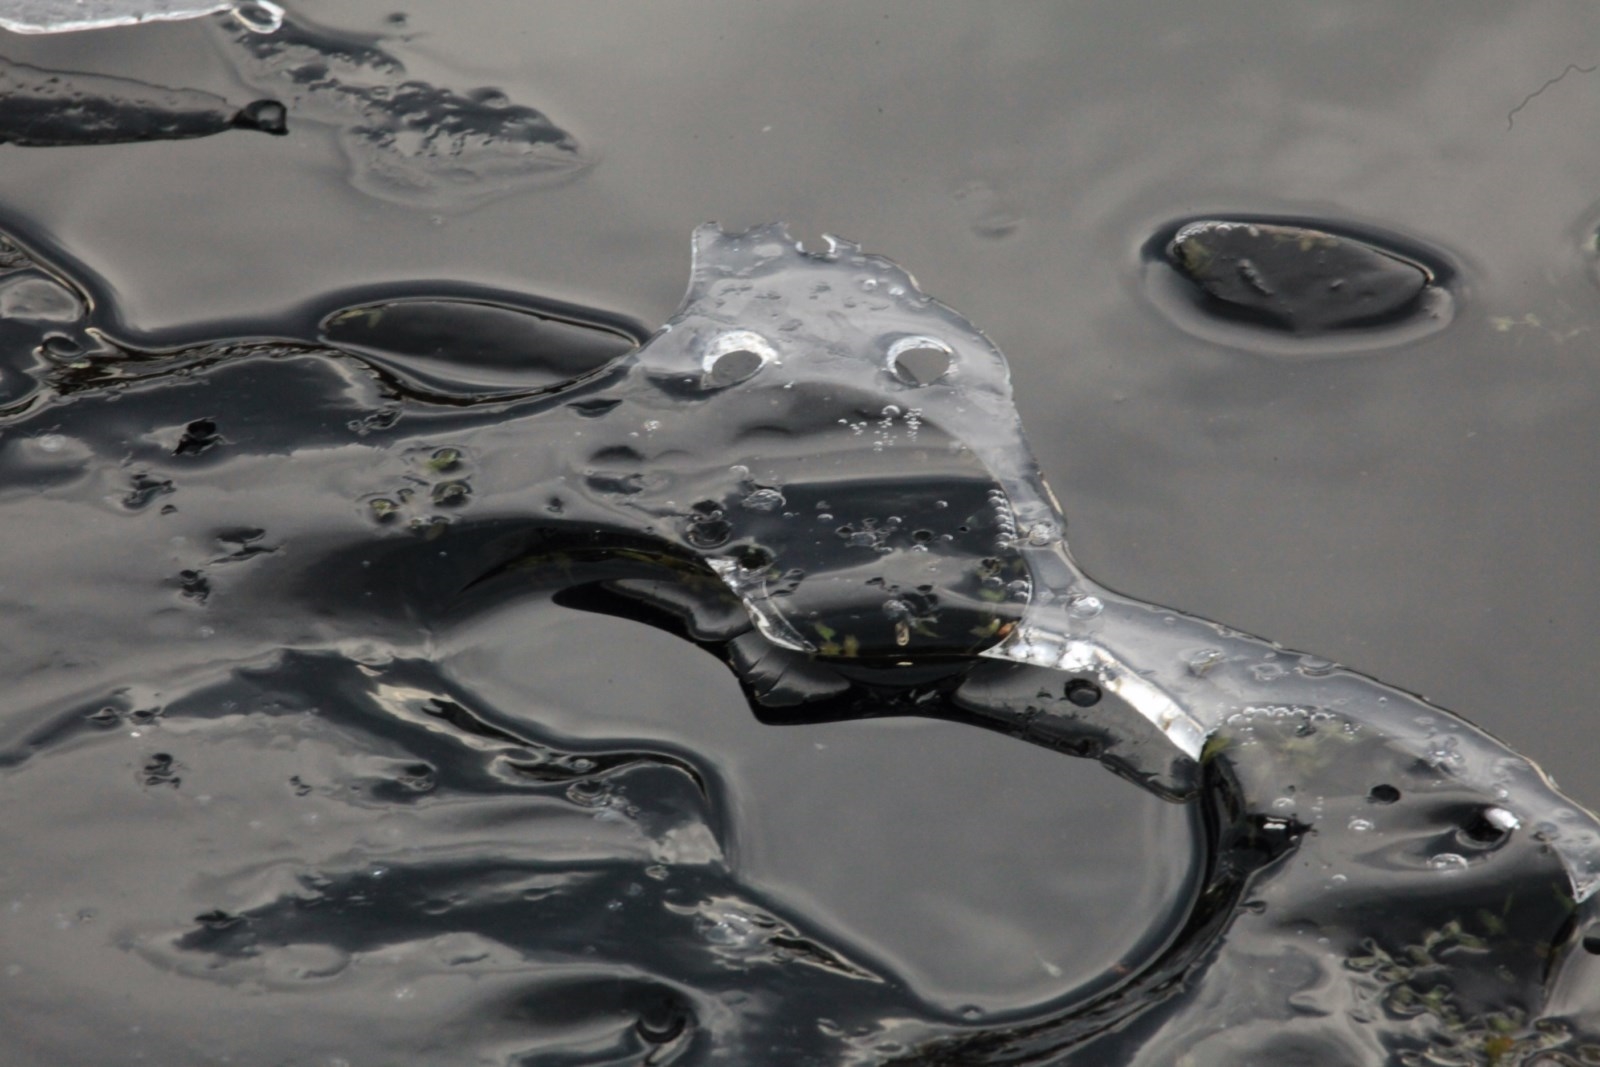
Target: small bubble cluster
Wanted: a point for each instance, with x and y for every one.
(436, 486)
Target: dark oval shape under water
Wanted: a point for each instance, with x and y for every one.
(1300, 280)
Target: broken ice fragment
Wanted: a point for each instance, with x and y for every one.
(407, 140)
(71, 16)
(977, 582)
(907, 564)
(53, 108)
(75, 16)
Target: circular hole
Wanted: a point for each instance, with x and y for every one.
(734, 356)
(1591, 944)
(920, 361)
(1383, 794)
(1487, 828)
(731, 367)
(708, 532)
(1083, 692)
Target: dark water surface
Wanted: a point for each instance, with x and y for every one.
(298, 772)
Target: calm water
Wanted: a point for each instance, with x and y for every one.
(228, 852)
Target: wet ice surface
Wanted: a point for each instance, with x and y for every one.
(52, 108)
(73, 16)
(406, 139)
(339, 663)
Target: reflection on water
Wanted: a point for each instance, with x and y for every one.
(74, 16)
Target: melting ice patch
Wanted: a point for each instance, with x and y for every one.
(54, 108)
(72, 16)
(1385, 882)
(405, 139)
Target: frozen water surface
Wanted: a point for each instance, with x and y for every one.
(293, 682)
(406, 139)
(73, 16)
(403, 668)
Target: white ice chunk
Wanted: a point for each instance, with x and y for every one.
(72, 16)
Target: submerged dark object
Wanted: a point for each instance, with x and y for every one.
(53, 108)
(1384, 882)
(1296, 278)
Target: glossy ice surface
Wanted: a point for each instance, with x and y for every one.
(74, 16)
(374, 693)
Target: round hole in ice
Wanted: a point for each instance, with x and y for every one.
(920, 360)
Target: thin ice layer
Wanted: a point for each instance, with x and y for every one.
(406, 140)
(71, 16)
(214, 599)
(841, 319)
(55, 108)
(887, 490)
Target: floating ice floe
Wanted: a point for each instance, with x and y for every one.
(75, 16)
(855, 537)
